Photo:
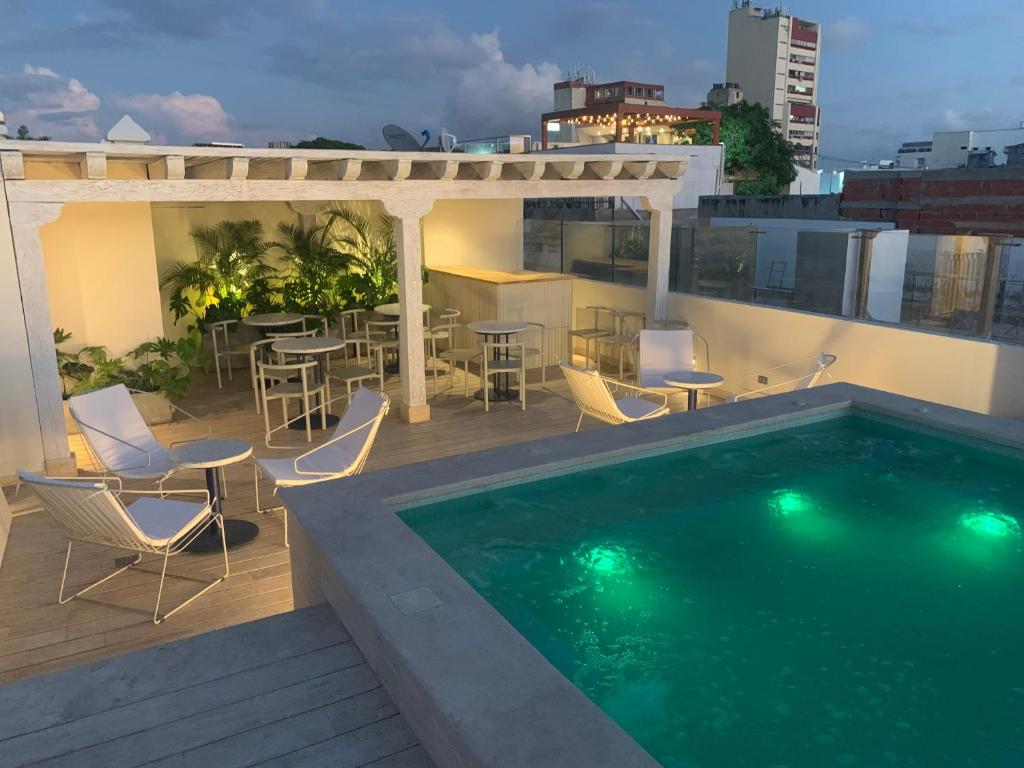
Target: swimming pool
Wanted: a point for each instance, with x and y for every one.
(842, 593)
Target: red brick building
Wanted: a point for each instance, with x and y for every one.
(943, 202)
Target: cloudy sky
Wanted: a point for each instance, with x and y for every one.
(257, 70)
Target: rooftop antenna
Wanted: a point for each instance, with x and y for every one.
(447, 141)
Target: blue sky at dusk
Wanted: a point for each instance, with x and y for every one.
(255, 70)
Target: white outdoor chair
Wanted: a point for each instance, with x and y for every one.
(514, 364)
(594, 396)
(536, 349)
(316, 323)
(355, 374)
(661, 353)
(804, 373)
(348, 326)
(594, 332)
(92, 512)
(276, 384)
(624, 339)
(219, 333)
(118, 438)
(381, 338)
(343, 455)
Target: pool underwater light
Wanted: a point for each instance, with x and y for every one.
(787, 502)
(605, 560)
(988, 523)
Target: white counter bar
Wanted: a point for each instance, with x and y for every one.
(487, 294)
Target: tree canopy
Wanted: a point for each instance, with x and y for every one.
(24, 135)
(754, 150)
(321, 143)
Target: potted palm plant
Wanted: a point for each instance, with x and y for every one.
(228, 276)
(312, 268)
(372, 257)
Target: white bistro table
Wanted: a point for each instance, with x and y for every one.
(692, 381)
(268, 321)
(212, 456)
(498, 331)
(316, 347)
(394, 309)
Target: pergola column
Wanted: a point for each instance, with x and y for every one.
(26, 219)
(408, 215)
(659, 256)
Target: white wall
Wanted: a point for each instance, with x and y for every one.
(704, 173)
(744, 338)
(101, 275)
(21, 444)
(479, 233)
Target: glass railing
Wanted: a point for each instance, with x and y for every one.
(964, 285)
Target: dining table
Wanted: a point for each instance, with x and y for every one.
(316, 348)
(498, 331)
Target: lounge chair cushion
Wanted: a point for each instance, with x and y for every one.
(162, 520)
(336, 459)
(113, 411)
(638, 408)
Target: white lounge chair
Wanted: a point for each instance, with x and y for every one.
(118, 438)
(593, 394)
(661, 353)
(803, 373)
(343, 455)
(92, 512)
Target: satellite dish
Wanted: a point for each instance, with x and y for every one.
(399, 139)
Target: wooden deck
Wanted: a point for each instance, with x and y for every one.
(289, 690)
(37, 635)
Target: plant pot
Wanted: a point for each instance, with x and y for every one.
(154, 407)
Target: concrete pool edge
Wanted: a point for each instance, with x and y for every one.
(471, 687)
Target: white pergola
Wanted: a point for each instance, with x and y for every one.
(405, 183)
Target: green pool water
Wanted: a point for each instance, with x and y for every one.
(848, 593)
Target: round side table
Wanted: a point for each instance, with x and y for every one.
(212, 456)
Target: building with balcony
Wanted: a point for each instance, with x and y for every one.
(635, 113)
(775, 58)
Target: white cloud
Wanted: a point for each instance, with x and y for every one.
(848, 32)
(953, 119)
(494, 96)
(49, 103)
(190, 116)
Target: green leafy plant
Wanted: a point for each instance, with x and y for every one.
(321, 143)
(312, 269)
(70, 366)
(166, 365)
(227, 277)
(756, 155)
(161, 365)
(372, 257)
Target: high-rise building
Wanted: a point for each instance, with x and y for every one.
(775, 59)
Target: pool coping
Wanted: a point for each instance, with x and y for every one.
(475, 692)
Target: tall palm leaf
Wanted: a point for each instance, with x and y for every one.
(229, 262)
(313, 266)
(372, 276)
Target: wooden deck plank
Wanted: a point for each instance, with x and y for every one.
(137, 717)
(354, 749)
(309, 693)
(167, 668)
